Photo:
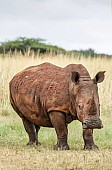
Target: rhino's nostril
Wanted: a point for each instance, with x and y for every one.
(84, 125)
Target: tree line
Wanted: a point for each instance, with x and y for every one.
(33, 46)
(23, 45)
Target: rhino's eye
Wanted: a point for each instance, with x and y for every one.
(80, 106)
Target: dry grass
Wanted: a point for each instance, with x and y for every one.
(10, 66)
(39, 159)
(13, 152)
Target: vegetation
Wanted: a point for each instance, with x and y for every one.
(31, 46)
(13, 150)
(34, 46)
(88, 53)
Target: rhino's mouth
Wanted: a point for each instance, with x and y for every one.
(92, 124)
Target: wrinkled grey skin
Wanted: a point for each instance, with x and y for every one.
(51, 96)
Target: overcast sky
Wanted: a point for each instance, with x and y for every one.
(71, 24)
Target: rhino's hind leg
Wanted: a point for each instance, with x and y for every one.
(58, 122)
(30, 129)
(88, 139)
(37, 130)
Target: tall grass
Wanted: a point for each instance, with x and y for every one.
(9, 66)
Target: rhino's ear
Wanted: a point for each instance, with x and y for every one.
(99, 77)
(75, 77)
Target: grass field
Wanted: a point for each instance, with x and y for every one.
(14, 154)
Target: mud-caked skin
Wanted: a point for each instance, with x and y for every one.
(50, 96)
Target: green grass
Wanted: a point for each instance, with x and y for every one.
(14, 152)
(12, 133)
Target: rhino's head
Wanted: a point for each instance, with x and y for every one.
(85, 99)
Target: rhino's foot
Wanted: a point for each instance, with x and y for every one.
(61, 147)
(30, 143)
(38, 143)
(33, 142)
(91, 147)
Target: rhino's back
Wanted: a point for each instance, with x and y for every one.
(27, 85)
(45, 83)
(34, 75)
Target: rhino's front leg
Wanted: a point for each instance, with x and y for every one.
(58, 122)
(88, 139)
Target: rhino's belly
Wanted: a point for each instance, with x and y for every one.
(39, 120)
(36, 118)
(32, 111)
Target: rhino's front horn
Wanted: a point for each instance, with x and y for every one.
(92, 124)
